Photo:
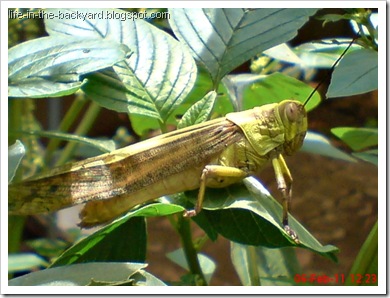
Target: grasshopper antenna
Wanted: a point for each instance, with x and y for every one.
(332, 68)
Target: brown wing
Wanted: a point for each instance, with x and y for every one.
(137, 167)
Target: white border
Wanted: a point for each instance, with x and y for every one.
(381, 289)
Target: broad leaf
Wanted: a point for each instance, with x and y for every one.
(224, 38)
(102, 145)
(366, 262)
(53, 65)
(199, 112)
(15, 155)
(356, 73)
(25, 262)
(207, 265)
(111, 241)
(318, 144)
(264, 266)
(39, 87)
(357, 138)
(323, 54)
(109, 245)
(370, 156)
(91, 274)
(254, 218)
(277, 87)
(153, 81)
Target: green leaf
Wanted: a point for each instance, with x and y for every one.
(333, 18)
(39, 87)
(15, 155)
(254, 218)
(207, 265)
(49, 248)
(318, 144)
(284, 53)
(109, 244)
(224, 38)
(366, 261)
(368, 155)
(356, 73)
(89, 274)
(357, 138)
(153, 81)
(58, 60)
(24, 262)
(265, 266)
(323, 54)
(199, 112)
(277, 87)
(102, 145)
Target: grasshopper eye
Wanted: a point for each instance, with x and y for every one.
(292, 112)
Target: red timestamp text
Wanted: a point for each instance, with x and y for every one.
(323, 279)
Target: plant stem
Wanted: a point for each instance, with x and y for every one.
(82, 129)
(70, 117)
(184, 230)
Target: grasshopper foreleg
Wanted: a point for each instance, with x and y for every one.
(220, 173)
(284, 181)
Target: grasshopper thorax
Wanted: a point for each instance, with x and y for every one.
(293, 115)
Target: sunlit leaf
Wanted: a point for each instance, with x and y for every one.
(356, 73)
(224, 38)
(152, 82)
(15, 155)
(58, 61)
(89, 274)
(357, 137)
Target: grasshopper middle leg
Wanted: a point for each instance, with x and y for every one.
(214, 171)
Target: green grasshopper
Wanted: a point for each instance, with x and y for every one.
(214, 154)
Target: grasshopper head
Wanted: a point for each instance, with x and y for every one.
(294, 118)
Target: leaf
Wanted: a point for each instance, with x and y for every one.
(15, 155)
(283, 52)
(327, 18)
(235, 86)
(318, 144)
(108, 243)
(152, 82)
(370, 156)
(39, 87)
(366, 261)
(356, 73)
(265, 266)
(199, 112)
(60, 61)
(207, 265)
(277, 87)
(249, 215)
(224, 38)
(49, 248)
(323, 54)
(357, 138)
(24, 262)
(88, 274)
(102, 145)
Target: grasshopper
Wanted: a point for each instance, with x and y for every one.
(214, 154)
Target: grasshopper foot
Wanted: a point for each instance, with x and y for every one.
(291, 233)
(190, 213)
